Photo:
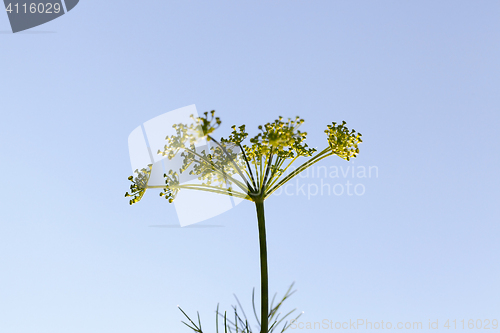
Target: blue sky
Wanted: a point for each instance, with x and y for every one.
(419, 79)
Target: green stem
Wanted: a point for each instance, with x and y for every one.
(264, 280)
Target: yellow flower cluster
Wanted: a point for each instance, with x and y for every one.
(139, 184)
(342, 142)
(254, 170)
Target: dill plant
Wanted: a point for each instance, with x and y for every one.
(250, 171)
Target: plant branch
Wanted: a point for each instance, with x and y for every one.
(234, 164)
(324, 153)
(222, 172)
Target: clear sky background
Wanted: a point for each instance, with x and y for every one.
(419, 79)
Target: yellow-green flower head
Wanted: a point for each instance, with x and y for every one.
(205, 126)
(187, 135)
(139, 184)
(183, 138)
(342, 142)
(283, 138)
(171, 181)
(237, 135)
